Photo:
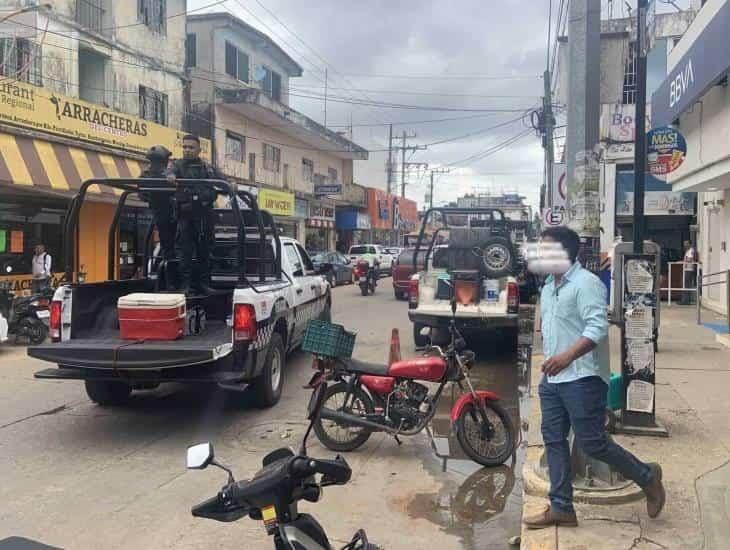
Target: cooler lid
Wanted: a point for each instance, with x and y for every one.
(151, 300)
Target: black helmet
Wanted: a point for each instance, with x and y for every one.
(158, 153)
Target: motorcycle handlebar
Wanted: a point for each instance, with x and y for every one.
(336, 471)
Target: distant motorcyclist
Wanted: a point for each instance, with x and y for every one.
(195, 216)
(373, 262)
(161, 204)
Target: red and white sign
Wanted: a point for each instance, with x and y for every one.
(552, 217)
(560, 185)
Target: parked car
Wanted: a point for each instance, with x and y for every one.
(394, 252)
(339, 267)
(385, 259)
(403, 269)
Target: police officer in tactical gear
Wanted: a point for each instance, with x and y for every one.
(195, 216)
(161, 204)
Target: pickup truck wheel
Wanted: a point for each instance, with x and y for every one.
(419, 339)
(107, 392)
(267, 387)
(497, 257)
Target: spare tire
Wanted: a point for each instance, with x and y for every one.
(498, 257)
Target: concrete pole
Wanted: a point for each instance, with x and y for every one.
(547, 109)
(640, 132)
(582, 136)
(403, 167)
(390, 160)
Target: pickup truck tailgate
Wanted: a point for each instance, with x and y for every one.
(109, 351)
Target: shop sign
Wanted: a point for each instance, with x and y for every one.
(363, 221)
(278, 203)
(659, 199)
(301, 208)
(666, 150)
(34, 108)
(328, 189)
(20, 283)
(321, 211)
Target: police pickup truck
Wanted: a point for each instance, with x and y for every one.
(237, 337)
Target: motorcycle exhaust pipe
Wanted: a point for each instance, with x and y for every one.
(347, 419)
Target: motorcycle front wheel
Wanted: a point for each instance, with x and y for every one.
(335, 436)
(490, 449)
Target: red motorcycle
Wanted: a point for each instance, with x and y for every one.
(371, 398)
(366, 276)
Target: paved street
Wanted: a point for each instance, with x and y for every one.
(76, 475)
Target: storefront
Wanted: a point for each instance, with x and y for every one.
(380, 209)
(281, 205)
(49, 145)
(353, 227)
(320, 227)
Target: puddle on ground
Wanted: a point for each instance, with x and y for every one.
(482, 506)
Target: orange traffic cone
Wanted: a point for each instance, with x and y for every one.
(394, 347)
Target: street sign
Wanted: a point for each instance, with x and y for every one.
(328, 189)
(666, 150)
(554, 216)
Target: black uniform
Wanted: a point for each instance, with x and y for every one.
(161, 204)
(195, 220)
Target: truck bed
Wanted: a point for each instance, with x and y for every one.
(106, 350)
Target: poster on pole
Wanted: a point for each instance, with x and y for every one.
(666, 150)
(640, 396)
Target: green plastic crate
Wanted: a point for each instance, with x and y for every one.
(328, 339)
(615, 392)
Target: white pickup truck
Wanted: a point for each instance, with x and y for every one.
(265, 292)
(475, 268)
(384, 259)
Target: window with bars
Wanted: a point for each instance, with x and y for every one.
(236, 63)
(332, 175)
(153, 13)
(629, 89)
(272, 158)
(307, 170)
(235, 147)
(152, 105)
(21, 59)
(90, 14)
(191, 51)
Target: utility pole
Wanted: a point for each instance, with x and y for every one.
(325, 97)
(390, 160)
(582, 135)
(435, 171)
(640, 131)
(404, 165)
(549, 122)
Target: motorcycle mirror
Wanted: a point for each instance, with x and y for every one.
(200, 456)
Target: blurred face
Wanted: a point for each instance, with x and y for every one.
(40, 249)
(191, 149)
(547, 257)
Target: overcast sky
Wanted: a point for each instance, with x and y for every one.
(502, 41)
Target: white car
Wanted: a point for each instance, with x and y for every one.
(385, 259)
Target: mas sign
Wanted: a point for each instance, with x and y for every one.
(666, 150)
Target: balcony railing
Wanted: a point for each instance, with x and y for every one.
(90, 14)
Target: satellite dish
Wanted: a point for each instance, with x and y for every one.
(260, 73)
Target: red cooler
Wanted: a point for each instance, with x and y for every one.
(151, 316)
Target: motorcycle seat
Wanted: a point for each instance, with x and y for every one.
(361, 367)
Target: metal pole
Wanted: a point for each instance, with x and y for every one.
(325, 97)
(390, 159)
(430, 194)
(403, 167)
(640, 121)
(698, 294)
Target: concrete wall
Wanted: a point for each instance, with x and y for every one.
(211, 60)
(256, 135)
(713, 241)
(134, 55)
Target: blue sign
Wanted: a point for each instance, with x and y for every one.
(704, 65)
(666, 150)
(328, 189)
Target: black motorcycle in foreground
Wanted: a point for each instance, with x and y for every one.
(272, 495)
(27, 316)
(366, 276)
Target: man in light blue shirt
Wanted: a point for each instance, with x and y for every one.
(573, 390)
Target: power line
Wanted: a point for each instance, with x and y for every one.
(438, 94)
(450, 76)
(491, 150)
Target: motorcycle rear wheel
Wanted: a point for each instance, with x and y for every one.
(364, 289)
(343, 438)
(487, 452)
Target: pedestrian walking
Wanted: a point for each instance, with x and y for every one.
(574, 387)
(689, 272)
(42, 264)
(195, 216)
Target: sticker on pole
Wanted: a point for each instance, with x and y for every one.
(554, 216)
(666, 150)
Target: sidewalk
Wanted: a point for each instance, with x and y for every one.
(693, 377)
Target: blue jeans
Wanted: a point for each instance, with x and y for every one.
(580, 404)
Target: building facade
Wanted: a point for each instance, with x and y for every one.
(693, 97)
(240, 99)
(670, 214)
(87, 86)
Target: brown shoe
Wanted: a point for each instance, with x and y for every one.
(550, 517)
(655, 495)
